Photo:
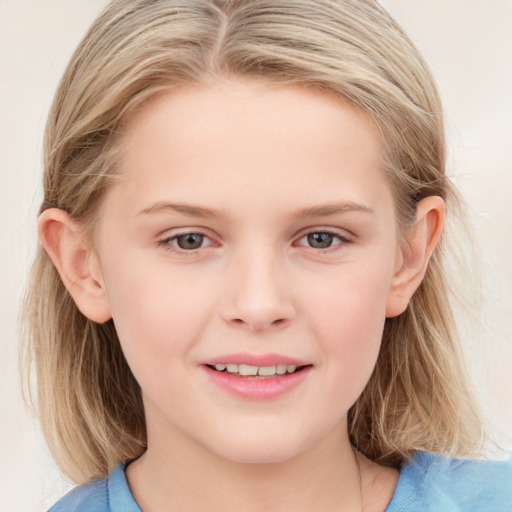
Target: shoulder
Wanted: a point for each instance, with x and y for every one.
(92, 496)
(102, 495)
(433, 483)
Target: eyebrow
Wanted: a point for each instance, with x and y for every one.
(185, 209)
(323, 210)
(326, 210)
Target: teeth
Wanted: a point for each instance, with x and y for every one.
(267, 370)
(263, 371)
(281, 369)
(245, 369)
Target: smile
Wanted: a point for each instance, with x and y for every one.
(257, 378)
(246, 370)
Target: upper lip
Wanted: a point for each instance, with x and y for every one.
(255, 360)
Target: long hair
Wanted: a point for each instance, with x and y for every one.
(418, 397)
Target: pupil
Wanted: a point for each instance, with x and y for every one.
(190, 241)
(320, 240)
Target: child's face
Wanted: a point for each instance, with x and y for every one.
(290, 256)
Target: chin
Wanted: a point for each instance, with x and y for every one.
(266, 456)
(259, 449)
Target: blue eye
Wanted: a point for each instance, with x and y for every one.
(190, 241)
(320, 240)
(323, 240)
(185, 241)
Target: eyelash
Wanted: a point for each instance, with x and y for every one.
(167, 242)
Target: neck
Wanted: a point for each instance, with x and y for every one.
(180, 475)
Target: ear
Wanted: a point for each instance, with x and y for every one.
(422, 239)
(76, 264)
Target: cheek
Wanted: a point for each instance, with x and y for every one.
(353, 299)
(156, 318)
(348, 317)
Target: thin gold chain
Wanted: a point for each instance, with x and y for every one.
(361, 495)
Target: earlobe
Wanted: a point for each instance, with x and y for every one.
(63, 241)
(415, 255)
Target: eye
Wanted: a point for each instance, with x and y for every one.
(185, 242)
(189, 241)
(323, 240)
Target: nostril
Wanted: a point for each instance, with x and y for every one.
(257, 326)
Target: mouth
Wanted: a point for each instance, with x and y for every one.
(258, 377)
(257, 372)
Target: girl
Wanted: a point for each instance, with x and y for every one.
(239, 302)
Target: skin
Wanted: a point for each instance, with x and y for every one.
(272, 165)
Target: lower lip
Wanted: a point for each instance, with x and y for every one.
(253, 388)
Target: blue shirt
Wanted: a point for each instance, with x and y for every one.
(428, 483)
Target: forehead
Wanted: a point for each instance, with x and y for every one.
(261, 112)
(218, 140)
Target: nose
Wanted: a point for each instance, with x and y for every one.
(258, 296)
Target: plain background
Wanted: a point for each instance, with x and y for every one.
(468, 43)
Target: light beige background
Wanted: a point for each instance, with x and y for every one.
(469, 45)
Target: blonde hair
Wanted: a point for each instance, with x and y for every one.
(90, 405)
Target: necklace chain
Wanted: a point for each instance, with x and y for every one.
(361, 495)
